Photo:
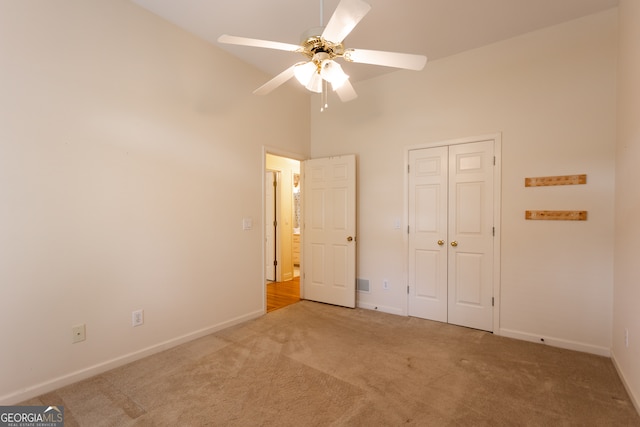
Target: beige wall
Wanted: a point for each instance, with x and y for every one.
(626, 312)
(130, 152)
(552, 95)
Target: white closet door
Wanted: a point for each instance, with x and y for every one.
(451, 234)
(470, 280)
(428, 233)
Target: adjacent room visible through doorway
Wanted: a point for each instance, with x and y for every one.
(282, 231)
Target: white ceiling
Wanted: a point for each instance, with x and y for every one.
(435, 28)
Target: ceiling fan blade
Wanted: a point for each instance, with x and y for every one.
(244, 41)
(278, 80)
(346, 92)
(344, 19)
(387, 59)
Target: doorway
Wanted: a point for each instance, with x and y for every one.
(282, 231)
(453, 204)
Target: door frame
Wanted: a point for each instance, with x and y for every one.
(263, 276)
(497, 208)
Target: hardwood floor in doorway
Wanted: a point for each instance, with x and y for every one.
(282, 294)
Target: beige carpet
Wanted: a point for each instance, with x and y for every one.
(311, 364)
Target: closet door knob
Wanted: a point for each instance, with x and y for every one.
(440, 242)
(349, 239)
(454, 243)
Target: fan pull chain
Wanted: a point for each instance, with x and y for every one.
(321, 13)
(323, 97)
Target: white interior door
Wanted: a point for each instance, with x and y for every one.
(329, 226)
(451, 234)
(470, 259)
(428, 233)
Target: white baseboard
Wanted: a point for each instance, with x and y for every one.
(382, 308)
(556, 342)
(82, 374)
(634, 399)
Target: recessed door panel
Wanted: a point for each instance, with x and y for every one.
(317, 264)
(317, 208)
(340, 211)
(427, 206)
(428, 166)
(469, 162)
(468, 281)
(340, 268)
(426, 274)
(469, 200)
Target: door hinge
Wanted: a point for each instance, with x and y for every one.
(494, 232)
(275, 263)
(407, 289)
(494, 160)
(407, 229)
(493, 301)
(408, 168)
(275, 223)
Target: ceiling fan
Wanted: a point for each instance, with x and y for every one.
(322, 46)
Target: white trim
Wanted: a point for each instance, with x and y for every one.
(281, 153)
(488, 137)
(82, 374)
(497, 238)
(497, 210)
(382, 308)
(557, 342)
(634, 399)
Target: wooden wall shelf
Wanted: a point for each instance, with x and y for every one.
(545, 181)
(556, 215)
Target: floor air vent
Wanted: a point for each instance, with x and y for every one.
(363, 285)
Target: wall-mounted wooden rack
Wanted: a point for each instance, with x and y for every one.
(556, 215)
(545, 181)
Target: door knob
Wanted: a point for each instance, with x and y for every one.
(454, 243)
(349, 239)
(440, 242)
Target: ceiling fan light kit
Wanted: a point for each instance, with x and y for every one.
(322, 46)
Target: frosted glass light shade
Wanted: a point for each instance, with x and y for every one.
(315, 83)
(332, 72)
(304, 72)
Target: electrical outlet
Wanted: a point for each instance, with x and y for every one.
(385, 284)
(79, 333)
(137, 318)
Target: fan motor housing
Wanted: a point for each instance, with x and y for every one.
(313, 43)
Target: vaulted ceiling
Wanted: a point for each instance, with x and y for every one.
(435, 28)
